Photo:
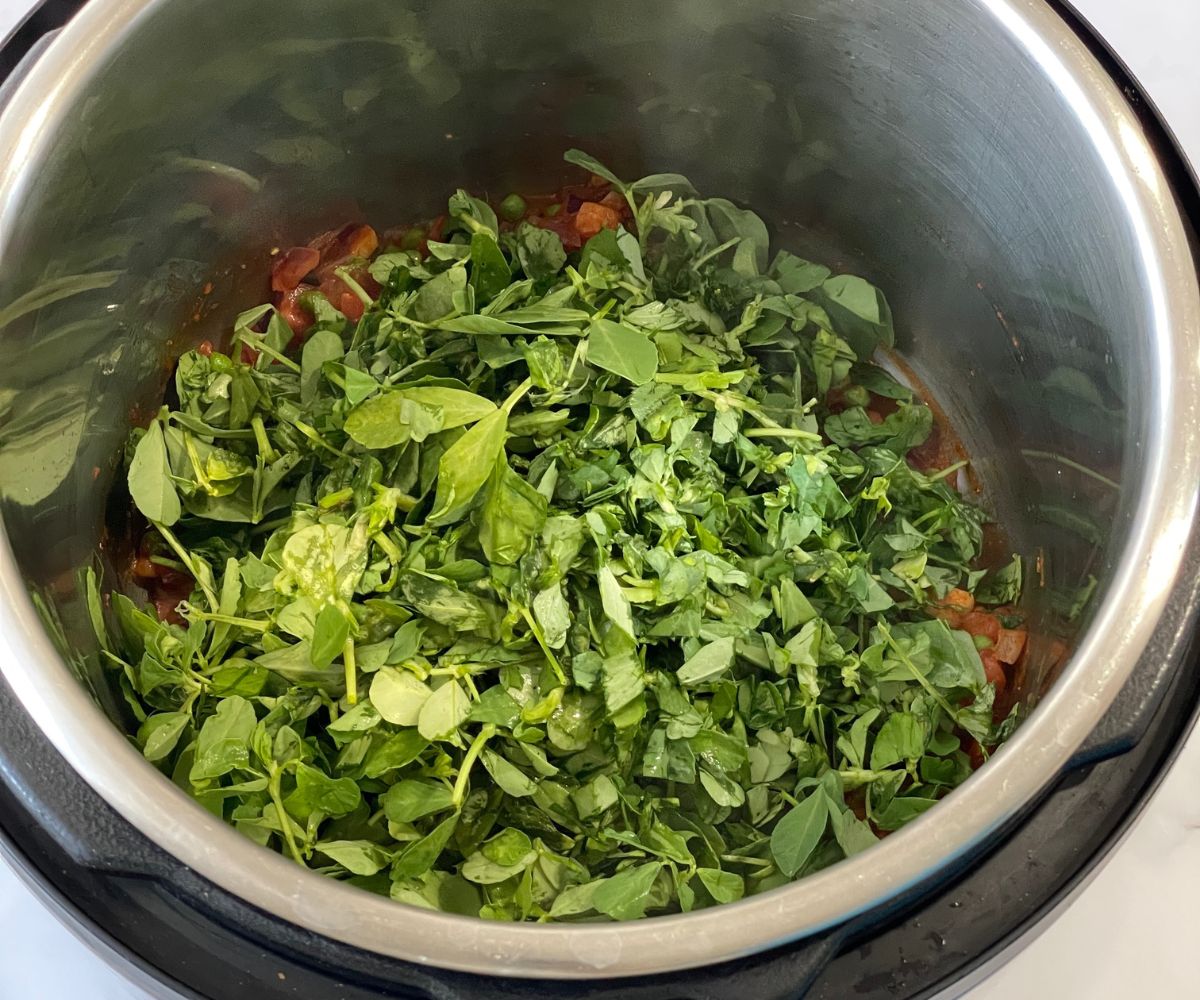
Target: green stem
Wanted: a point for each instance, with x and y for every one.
(285, 820)
(464, 772)
(354, 286)
(351, 671)
(257, 343)
(1050, 456)
(265, 448)
(781, 432)
(189, 444)
(516, 395)
(186, 558)
(541, 641)
(250, 623)
(949, 470)
(742, 859)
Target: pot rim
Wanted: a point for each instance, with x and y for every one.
(1119, 632)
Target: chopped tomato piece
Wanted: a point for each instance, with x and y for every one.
(974, 753)
(355, 239)
(993, 670)
(343, 298)
(1010, 644)
(616, 201)
(958, 600)
(249, 354)
(982, 623)
(592, 217)
(292, 266)
(563, 226)
(205, 348)
(294, 314)
(875, 418)
(350, 306)
(952, 618)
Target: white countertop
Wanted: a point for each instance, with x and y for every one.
(1132, 932)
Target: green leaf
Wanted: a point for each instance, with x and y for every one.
(730, 222)
(435, 300)
(419, 856)
(477, 215)
(859, 312)
(512, 516)
(320, 347)
(360, 857)
(622, 350)
(626, 895)
(465, 467)
(323, 562)
(902, 810)
(797, 834)
(489, 269)
(413, 798)
(390, 419)
(616, 604)
(540, 252)
(223, 743)
(394, 753)
(707, 663)
(1003, 585)
(398, 696)
(315, 790)
(150, 483)
(446, 710)
(330, 632)
(160, 733)
(899, 740)
(553, 615)
(724, 887)
(593, 166)
(797, 276)
(906, 428)
(458, 406)
(508, 776)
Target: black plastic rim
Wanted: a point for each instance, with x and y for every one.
(181, 930)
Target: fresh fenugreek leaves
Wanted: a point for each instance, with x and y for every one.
(553, 587)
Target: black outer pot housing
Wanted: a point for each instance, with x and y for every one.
(162, 924)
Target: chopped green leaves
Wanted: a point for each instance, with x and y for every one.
(560, 586)
(622, 350)
(150, 483)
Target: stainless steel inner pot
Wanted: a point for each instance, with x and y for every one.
(970, 156)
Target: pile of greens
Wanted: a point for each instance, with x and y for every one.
(552, 589)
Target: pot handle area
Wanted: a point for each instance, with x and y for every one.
(785, 974)
(27, 40)
(1133, 711)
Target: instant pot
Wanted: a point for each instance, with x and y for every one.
(986, 162)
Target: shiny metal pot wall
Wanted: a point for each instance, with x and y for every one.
(970, 156)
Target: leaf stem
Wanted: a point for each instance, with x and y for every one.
(285, 820)
(781, 432)
(186, 558)
(948, 471)
(259, 344)
(355, 287)
(472, 755)
(265, 448)
(541, 641)
(516, 395)
(351, 671)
